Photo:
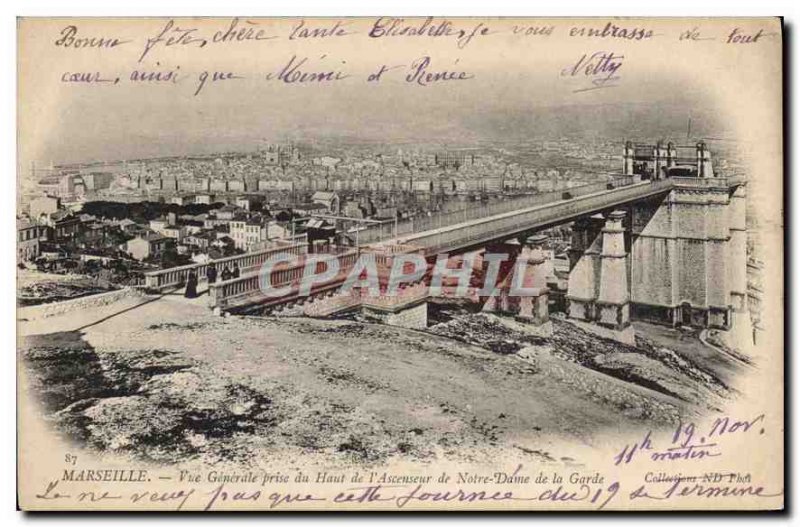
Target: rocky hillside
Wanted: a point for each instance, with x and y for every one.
(253, 388)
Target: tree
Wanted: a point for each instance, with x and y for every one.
(285, 215)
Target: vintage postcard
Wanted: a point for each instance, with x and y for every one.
(400, 264)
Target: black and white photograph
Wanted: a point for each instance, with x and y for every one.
(399, 263)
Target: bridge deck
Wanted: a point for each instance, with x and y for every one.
(508, 224)
(456, 237)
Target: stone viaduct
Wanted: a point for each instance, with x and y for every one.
(664, 240)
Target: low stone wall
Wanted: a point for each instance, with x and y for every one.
(632, 400)
(57, 308)
(415, 317)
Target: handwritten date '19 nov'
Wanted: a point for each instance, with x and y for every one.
(689, 441)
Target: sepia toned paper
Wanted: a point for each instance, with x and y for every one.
(628, 171)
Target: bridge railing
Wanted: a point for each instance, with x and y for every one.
(389, 230)
(248, 287)
(173, 277)
(549, 213)
(384, 255)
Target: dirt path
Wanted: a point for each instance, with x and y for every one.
(691, 348)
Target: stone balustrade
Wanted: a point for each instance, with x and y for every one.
(175, 276)
(248, 287)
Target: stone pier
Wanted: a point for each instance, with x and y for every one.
(598, 292)
(613, 298)
(584, 232)
(500, 300)
(535, 309)
(522, 285)
(583, 277)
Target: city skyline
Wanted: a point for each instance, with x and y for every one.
(578, 122)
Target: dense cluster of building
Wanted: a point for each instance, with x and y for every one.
(283, 169)
(222, 204)
(55, 235)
